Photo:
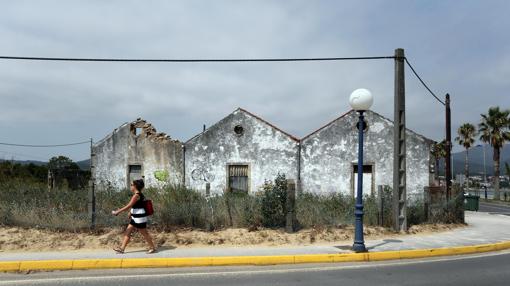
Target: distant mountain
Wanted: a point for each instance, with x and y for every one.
(476, 160)
(84, 164)
(26, 162)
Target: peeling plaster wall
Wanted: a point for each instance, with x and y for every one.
(265, 149)
(153, 151)
(327, 156)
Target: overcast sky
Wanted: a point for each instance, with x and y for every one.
(460, 47)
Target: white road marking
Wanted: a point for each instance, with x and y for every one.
(242, 272)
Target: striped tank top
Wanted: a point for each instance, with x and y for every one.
(138, 210)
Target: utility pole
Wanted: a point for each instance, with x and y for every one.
(448, 159)
(484, 168)
(92, 191)
(399, 145)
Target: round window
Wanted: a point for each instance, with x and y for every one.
(238, 130)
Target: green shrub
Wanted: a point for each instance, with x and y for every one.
(178, 206)
(329, 209)
(274, 197)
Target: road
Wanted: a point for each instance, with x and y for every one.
(487, 269)
(495, 208)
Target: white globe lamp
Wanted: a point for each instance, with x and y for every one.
(361, 99)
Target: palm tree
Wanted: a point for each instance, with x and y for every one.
(438, 150)
(466, 138)
(494, 129)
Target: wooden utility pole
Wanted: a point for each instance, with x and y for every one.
(399, 145)
(448, 159)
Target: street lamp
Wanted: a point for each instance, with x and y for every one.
(360, 100)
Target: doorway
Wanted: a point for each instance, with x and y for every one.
(134, 173)
(368, 179)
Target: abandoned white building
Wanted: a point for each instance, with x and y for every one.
(134, 150)
(242, 151)
(329, 156)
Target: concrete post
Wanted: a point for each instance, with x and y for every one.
(183, 147)
(399, 146)
(448, 159)
(290, 209)
(380, 205)
(92, 204)
(210, 211)
(92, 191)
(426, 202)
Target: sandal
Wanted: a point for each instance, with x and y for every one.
(151, 251)
(118, 250)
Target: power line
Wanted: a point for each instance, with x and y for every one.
(422, 82)
(26, 58)
(191, 60)
(44, 146)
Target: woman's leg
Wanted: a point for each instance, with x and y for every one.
(127, 236)
(147, 237)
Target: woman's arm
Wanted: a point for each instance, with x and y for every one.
(133, 200)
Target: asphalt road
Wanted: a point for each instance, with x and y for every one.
(488, 269)
(495, 208)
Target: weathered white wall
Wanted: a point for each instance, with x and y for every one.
(326, 162)
(267, 150)
(328, 154)
(154, 151)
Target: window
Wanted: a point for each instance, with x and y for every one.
(134, 173)
(238, 130)
(136, 130)
(238, 178)
(368, 179)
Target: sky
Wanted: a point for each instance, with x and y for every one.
(458, 47)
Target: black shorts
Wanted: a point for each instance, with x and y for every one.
(138, 225)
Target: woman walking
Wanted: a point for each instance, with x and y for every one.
(138, 217)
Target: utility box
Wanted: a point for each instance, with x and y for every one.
(471, 202)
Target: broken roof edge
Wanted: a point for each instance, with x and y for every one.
(375, 113)
(127, 124)
(294, 138)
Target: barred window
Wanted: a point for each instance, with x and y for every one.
(238, 178)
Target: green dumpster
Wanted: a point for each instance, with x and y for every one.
(471, 202)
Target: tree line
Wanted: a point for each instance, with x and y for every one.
(60, 167)
(493, 129)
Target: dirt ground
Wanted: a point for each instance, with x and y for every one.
(21, 239)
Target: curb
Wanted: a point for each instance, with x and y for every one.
(82, 264)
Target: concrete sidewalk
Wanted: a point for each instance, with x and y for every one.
(483, 228)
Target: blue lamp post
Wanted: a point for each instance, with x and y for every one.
(360, 100)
